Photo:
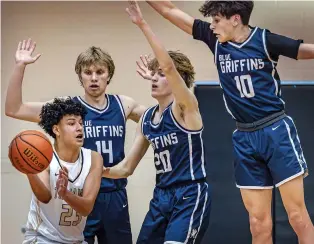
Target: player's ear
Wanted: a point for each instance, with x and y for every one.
(56, 130)
(236, 19)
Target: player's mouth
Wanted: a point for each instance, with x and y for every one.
(154, 86)
(80, 137)
(94, 87)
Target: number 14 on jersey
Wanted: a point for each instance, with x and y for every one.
(105, 147)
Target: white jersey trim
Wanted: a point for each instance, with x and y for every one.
(120, 105)
(250, 37)
(182, 128)
(100, 111)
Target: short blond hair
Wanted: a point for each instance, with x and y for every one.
(94, 55)
(182, 64)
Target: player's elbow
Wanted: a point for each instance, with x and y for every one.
(167, 10)
(168, 67)
(44, 199)
(88, 209)
(9, 113)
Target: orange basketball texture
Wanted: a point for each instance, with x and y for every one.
(30, 152)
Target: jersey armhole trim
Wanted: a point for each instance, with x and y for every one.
(121, 106)
(181, 127)
(143, 119)
(265, 46)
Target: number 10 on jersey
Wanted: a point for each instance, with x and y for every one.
(105, 147)
(245, 86)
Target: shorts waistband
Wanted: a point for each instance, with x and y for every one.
(181, 184)
(262, 123)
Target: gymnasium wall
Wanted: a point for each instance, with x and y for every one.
(64, 29)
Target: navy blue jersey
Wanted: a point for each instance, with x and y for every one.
(104, 132)
(247, 72)
(178, 152)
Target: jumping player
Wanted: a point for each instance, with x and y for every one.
(267, 148)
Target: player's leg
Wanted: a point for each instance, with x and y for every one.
(288, 167)
(292, 195)
(94, 223)
(190, 216)
(254, 179)
(155, 223)
(258, 204)
(116, 219)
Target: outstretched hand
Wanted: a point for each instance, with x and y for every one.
(134, 12)
(24, 52)
(142, 67)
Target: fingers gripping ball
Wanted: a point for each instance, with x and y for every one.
(30, 152)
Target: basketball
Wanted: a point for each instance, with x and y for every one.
(30, 152)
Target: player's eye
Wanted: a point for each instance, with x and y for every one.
(100, 72)
(87, 72)
(161, 74)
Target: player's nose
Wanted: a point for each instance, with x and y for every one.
(94, 76)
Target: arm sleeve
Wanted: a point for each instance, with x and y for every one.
(201, 31)
(281, 45)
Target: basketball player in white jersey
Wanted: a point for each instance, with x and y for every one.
(64, 193)
(109, 220)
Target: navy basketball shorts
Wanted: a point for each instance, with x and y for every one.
(109, 220)
(177, 215)
(269, 156)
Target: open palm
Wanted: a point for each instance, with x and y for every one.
(134, 12)
(24, 52)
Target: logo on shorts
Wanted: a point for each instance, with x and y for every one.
(275, 128)
(193, 234)
(124, 205)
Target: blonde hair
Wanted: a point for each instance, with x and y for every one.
(94, 55)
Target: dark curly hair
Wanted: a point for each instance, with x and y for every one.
(53, 112)
(228, 9)
(182, 64)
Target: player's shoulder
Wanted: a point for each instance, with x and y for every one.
(97, 159)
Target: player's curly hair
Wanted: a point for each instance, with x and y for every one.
(228, 9)
(53, 112)
(182, 64)
(94, 55)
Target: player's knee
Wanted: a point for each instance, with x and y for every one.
(297, 218)
(260, 224)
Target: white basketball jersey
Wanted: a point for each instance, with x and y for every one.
(57, 221)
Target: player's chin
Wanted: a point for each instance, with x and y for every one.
(155, 94)
(79, 142)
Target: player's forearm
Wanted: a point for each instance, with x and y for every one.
(39, 189)
(306, 51)
(176, 16)
(14, 93)
(162, 7)
(118, 171)
(163, 57)
(81, 205)
(161, 54)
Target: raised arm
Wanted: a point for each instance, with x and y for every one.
(306, 51)
(40, 184)
(127, 166)
(176, 16)
(83, 204)
(14, 106)
(182, 94)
